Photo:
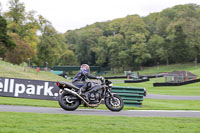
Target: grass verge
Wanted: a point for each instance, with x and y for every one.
(56, 123)
(148, 104)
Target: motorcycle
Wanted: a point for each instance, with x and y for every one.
(95, 93)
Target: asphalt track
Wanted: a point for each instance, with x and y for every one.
(128, 113)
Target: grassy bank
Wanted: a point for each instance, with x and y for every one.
(56, 123)
(16, 71)
(164, 68)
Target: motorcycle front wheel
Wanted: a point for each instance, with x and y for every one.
(114, 105)
(67, 104)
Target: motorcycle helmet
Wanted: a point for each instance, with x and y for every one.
(85, 68)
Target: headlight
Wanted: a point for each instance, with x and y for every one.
(110, 85)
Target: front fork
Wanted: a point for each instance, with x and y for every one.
(109, 94)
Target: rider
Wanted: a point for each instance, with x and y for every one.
(80, 79)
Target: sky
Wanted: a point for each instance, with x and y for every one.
(74, 14)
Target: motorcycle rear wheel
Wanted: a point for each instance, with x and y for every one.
(114, 105)
(67, 104)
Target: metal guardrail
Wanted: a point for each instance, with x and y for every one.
(132, 96)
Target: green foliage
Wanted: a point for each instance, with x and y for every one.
(23, 23)
(53, 50)
(179, 46)
(155, 47)
(6, 41)
(68, 58)
(87, 42)
(169, 36)
(20, 53)
(49, 47)
(141, 53)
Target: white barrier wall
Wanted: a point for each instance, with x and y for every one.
(25, 88)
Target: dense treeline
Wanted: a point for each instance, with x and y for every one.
(170, 36)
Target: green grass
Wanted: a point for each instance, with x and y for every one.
(28, 102)
(158, 104)
(164, 68)
(148, 104)
(185, 90)
(57, 123)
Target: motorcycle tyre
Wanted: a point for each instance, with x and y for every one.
(110, 107)
(67, 107)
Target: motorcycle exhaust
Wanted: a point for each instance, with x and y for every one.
(76, 94)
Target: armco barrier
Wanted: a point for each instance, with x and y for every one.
(132, 96)
(115, 77)
(136, 81)
(152, 76)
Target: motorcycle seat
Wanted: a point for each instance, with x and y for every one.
(70, 85)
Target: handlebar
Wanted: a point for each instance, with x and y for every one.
(105, 82)
(102, 80)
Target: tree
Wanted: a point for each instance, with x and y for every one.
(152, 23)
(67, 58)
(155, 46)
(193, 39)
(15, 16)
(115, 45)
(20, 53)
(115, 26)
(178, 40)
(5, 40)
(131, 26)
(102, 52)
(53, 49)
(140, 50)
(22, 23)
(48, 49)
(86, 45)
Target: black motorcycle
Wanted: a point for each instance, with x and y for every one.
(93, 96)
